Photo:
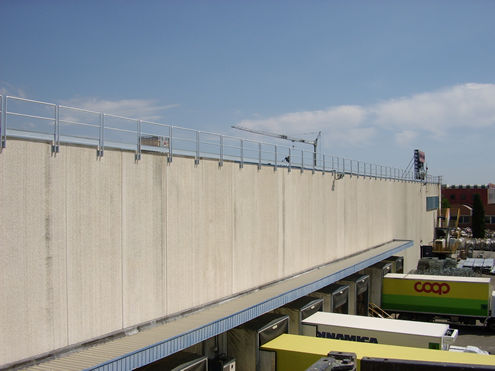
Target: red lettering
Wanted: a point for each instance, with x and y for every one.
(432, 287)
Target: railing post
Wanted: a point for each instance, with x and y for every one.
(56, 122)
(241, 165)
(276, 154)
(196, 159)
(170, 151)
(302, 161)
(314, 163)
(138, 141)
(220, 162)
(101, 145)
(3, 123)
(259, 156)
(290, 160)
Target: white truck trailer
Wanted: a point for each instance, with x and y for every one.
(379, 330)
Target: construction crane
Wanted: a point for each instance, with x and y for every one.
(314, 143)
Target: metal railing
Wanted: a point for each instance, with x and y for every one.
(35, 120)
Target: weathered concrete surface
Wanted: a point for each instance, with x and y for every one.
(94, 242)
(144, 236)
(257, 207)
(90, 246)
(199, 233)
(33, 284)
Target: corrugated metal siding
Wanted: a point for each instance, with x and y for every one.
(154, 343)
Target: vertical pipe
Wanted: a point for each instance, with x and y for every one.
(196, 160)
(56, 128)
(302, 160)
(138, 140)
(220, 163)
(170, 151)
(259, 156)
(3, 123)
(276, 155)
(290, 160)
(242, 154)
(102, 133)
(314, 163)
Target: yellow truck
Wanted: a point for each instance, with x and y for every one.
(426, 297)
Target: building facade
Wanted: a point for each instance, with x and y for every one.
(461, 197)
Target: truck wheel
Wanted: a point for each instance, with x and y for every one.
(490, 324)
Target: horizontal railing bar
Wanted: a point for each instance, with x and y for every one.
(120, 117)
(185, 129)
(80, 137)
(119, 129)
(78, 123)
(144, 134)
(155, 123)
(175, 139)
(30, 100)
(79, 109)
(30, 116)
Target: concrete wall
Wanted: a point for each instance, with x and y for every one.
(90, 246)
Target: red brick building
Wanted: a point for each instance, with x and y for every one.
(462, 197)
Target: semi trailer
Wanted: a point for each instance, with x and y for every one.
(426, 297)
(379, 330)
(298, 352)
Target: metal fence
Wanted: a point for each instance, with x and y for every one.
(57, 124)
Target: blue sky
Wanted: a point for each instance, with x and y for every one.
(378, 78)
